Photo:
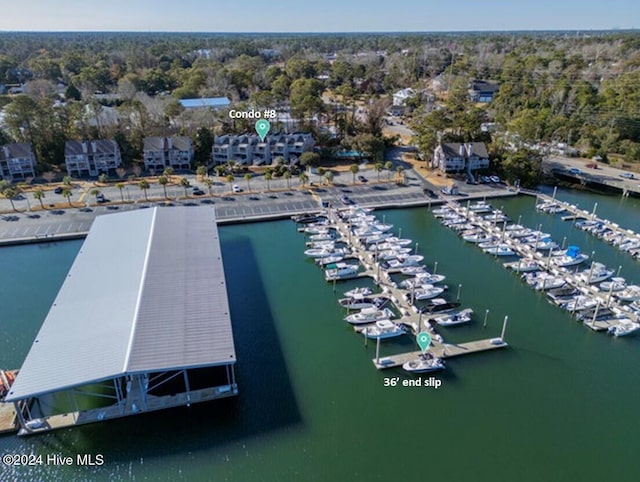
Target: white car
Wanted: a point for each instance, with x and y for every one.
(236, 188)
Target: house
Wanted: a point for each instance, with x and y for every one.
(209, 102)
(17, 162)
(91, 158)
(482, 91)
(458, 157)
(250, 149)
(162, 152)
(400, 98)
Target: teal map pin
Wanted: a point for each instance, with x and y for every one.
(262, 128)
(424, 340)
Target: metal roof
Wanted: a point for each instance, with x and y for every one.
(146, 292)
(205, 102)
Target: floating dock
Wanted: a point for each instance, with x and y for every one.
(8, 416)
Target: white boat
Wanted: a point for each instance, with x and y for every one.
(630, 293)
(478, 237)
(319, 252)
(543, 281)
(614, 284)
(565, 260)
(360, 302)
(329, 260)
(369, 315)
(424, 363)
(456, 318)
(426, 292)
(524, 265)
(422, 279)
(579, 303)
(413, 270)
(342, 271)
(363, 291)
(393, 253)
(375, 238)
(496, 217)
(404, 262)
(384, 329)
(595, 274)
(500, 250)
(624, 327)
(480, 207)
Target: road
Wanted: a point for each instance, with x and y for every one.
(605, 174)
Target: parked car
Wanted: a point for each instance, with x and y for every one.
(627, 175)
(494, 179)
(58, 190)
(575, 170)
(362, 179)
(236, 188)
(198, 192)
(346, 200)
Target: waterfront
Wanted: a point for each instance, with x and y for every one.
(557, 405)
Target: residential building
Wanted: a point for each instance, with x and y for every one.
(91, 158)
(250, 149)
(400, 98)
(482, 91)
(17, 162)
(458, 157)
(163, 152)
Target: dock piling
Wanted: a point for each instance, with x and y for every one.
(504, 327)
(486, 315)
(459, 290)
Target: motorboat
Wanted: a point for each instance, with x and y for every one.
(369, 315)
(480, 207)
(624, 327)
(384, 329)
(571, 257)
(425, 292)
(393, 254)
(616, 283)
(413, 270)
(425, 363)
(422, 279)
(477, 237)
(596, 274)
(440, 305)
(307, 218)
(500, 250)
(524, 265)
(579, 303)
(341, 271)
(455, 318)
(362, 291)
(496, 217)
(403, 262)
(329, 260)
(562, 295)
(543, 281)
(360, 302)
(630, 293)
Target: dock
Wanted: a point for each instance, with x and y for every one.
(441, 350)
(8, 416)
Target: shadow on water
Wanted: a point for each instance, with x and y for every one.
(266, 401)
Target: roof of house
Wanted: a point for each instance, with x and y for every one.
(100, 146)
(15, 150)
(452, 149)
(483, 86)
(162, 306)
(215, 102)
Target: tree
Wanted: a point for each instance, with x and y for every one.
(66, 180)
(400, 175)
(103, 178)
(267, 177)
(230, 180)
(144, 185)
(378, 166)
(247, 177)
(168, 172)
(163, 181)
(355, 169)
(309, 159)
(287, 176)
(304, 178)
(184, 182)
(67, 192)
(120, 187)
(95, 192)
(10, 193)
(39, 195)
(201, 171)
(388, 166)
(208, 182)
(328, 177)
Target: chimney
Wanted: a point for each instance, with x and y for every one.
(169, 143)
(461, 150)
(84, 145)
(469, 149)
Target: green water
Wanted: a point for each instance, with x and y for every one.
(559, 404)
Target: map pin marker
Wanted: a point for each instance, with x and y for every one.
(262, 128)
(424, 340)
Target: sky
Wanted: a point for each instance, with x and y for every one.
(316, 15)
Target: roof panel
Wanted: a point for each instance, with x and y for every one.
(146, 292)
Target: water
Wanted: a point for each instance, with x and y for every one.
(559, 404)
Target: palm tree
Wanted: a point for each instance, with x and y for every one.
(388, 166)
(267, 177)
(303, 179)
(400, 175)
(39, 195)
(66, 180)
(247, 177)
(95, 192)
(144, 185)
(355, 169)
(168, 171)
(378, 167)
(120, 186)
(184, 182)
(321, 171)
(66, 192)
(230, 180)
(103, 178)
(208, 182)
(328, 177)
(201, 171)
(287, 176)
(10, 193)
(163, 181)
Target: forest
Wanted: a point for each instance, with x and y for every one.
(577, 88)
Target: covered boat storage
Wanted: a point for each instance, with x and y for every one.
(141, 323)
